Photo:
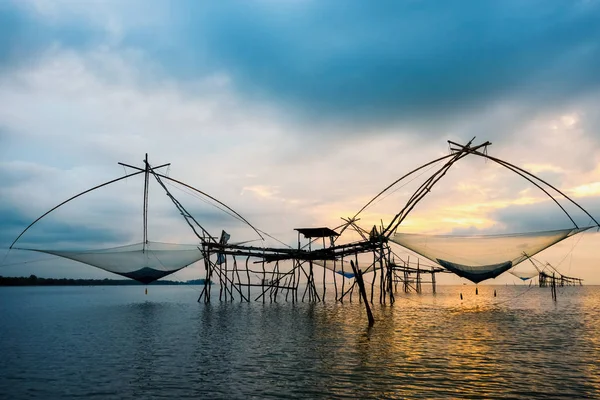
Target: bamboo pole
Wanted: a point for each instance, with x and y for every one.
(263, 278)
(343, 280)
(333, 274)
(73, 198)
(324, 272)
(361, 286)
(248, 276)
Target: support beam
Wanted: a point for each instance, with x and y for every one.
(363, 293)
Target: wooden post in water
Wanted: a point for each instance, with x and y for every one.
(220, 281)
(343, 281)
(206, 290)
(262, 281)
(418, 277)
(374, 276)
(237, 273)
(324, 271)
(390, 278)
(363, 293)
(289, 283)
(381, 278)
(335, 280)
(232, 277)
(313, 285)
(299, 269)
(406, 275)
(248, 276)
(276, 281)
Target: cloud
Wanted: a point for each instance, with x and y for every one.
(539, 216)
(25, 36)
(68, 234)
(590, 189)
(402, 62)
(294, 113)
(414, 64)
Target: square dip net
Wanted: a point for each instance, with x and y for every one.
(143, 263)
(481, 257)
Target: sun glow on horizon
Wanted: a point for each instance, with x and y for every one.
(590, 189)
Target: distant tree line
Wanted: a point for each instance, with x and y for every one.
(33, 280)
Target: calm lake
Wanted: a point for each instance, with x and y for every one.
(116, 342)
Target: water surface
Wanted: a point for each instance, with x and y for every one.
(116, 342)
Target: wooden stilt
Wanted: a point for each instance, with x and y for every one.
(324, 271)
(361, 286)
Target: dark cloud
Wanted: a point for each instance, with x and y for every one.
(13, 25)
(12, 222)
(398, 61)
(420, 63)
(25, 36)
(50, 232)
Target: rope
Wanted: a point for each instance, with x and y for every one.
(201, 198)
(401, 186)
(572, 248)
(23, 262)
(4, 259)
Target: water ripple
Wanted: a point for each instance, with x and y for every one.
(114, 342)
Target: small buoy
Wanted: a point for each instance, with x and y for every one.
(146, 290)
(476, 290)
(494, 292)
(461, 296)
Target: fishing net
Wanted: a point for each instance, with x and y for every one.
(144, 264)
(524, 273)
(481, 257)
(339, 267)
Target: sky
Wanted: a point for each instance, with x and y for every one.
(294, 113)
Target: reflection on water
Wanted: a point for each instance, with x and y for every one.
(115, 342)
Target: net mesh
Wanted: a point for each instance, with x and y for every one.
(524, 273)
(339, 267)
(481, 257)
(145, 264)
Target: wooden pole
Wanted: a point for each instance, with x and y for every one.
(248, 277)
(324, 271)
(264, 275)
(361, 286)
(299, 269)
(237, 272)
(145, 212)
(335, 280)
(374, 275)
(276, 273)
(311, 288)
(141, 171)
(418, 277)
(390, 277)
(343, 280)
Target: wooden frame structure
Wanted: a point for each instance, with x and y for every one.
(238, 268)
